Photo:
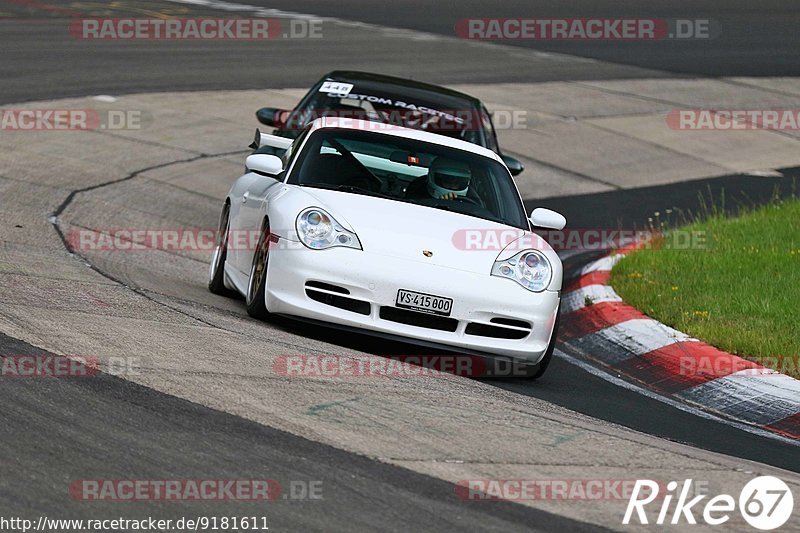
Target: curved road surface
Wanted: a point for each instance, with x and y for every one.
(141, 432)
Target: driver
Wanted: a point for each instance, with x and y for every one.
(448, 179)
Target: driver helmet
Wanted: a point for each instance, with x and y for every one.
(448, 176)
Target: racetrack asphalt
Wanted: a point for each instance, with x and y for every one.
(140, 430)
(572, 387)
(127, 431)
(64, 430)
(42, 60)
(748, 41)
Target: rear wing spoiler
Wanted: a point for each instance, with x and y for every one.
(266, 139)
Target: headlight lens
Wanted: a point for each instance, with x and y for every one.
(319, 230)
(529, 268)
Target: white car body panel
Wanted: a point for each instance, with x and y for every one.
(393, 235)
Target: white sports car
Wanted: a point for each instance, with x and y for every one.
(394, 232)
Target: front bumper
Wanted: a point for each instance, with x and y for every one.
(483, 306)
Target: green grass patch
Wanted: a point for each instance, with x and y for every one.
(741, 293)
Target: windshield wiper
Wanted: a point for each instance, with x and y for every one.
(348, 188)
(361, 190)
(353, 188)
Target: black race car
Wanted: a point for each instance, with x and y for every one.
(379, 98)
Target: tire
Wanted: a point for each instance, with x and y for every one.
(216, 271)
(541, 367)
(257, 284)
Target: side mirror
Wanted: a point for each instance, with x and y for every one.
(514, 165)
(271, 116)
(545, 218)
(269, 165)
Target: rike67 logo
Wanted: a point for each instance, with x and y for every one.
(765, 503)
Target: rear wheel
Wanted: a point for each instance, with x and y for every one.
(216, 271)
(256, 286)
(539, 369)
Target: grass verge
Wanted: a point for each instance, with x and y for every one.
(739, 292)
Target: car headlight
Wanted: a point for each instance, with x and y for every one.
(318, 230)
(529, 268)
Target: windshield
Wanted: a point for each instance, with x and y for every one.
(449, 117)
(408, 170)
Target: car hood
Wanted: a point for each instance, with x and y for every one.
(407, 231)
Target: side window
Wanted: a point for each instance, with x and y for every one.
(488, 130)
(486, 188)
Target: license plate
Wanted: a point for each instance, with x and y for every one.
(427, 303)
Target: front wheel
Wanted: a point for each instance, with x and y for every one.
(541, 366)
(216, 271)
(256, 286)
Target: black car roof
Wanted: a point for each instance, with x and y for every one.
(355, 76)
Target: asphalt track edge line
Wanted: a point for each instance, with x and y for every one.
(598, 372)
